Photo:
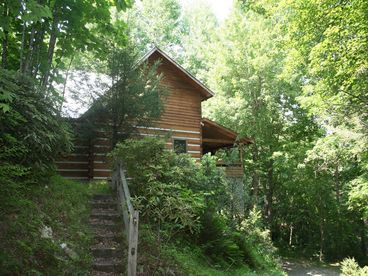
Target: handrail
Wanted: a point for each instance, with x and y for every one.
(130, 216)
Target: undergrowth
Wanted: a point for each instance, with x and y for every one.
(186, 225)
(60, 209)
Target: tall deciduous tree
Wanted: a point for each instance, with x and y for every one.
(328, 58)
(251, 92)
(38, 38)
(156, 22)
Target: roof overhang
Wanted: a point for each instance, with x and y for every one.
(216, 136)
(158, 53)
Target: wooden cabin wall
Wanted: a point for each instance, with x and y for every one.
(89, 158)
(234, 171)
(182, 114)
(181, 119)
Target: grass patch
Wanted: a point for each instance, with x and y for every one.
(59, 204)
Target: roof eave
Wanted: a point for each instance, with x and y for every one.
(205, 91)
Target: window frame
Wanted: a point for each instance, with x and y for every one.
(180, 139)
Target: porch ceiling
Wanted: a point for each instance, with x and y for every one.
(216, 136)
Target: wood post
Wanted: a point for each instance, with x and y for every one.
(133, 243)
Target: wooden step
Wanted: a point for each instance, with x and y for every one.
(103, 205)
(107, 253)
(108, 265)
(104, 210)
(108, 236)
(103, 197)
(105, 216)
(107, 200)
(113, 227)
(101, 273)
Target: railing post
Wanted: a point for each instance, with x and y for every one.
(133, 243)
(130, 217)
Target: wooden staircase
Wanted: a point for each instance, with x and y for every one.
(109, 242)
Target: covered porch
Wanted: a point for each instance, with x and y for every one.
(216, 137)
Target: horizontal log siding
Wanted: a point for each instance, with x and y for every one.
(181, 117)
(234, 171)
(182, 113)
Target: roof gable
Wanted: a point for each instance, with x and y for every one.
(158, 53)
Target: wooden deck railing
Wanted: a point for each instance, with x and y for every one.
(130, 216)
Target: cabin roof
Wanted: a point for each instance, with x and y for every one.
(204, 90)
(216, 136)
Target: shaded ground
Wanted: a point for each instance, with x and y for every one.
(296, 268)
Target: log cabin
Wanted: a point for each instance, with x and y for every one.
(182, 118)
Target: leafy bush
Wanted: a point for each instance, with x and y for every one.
(160, 184)
(218, 241)
(32, 133)
(227, 246)
(349, 267)
(174, 194)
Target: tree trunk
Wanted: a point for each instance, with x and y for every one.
(255, 177)
(21, 62)
(322, 239)
(39, 40)
(4, 44)
(337, 185)
(363, 237)
(28, 60)
(291, 235)
(269, 197)
(255, 94)
(65, 81)
(51, 47)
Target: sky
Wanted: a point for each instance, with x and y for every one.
(221, 8)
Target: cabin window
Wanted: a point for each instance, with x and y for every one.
(180, 146)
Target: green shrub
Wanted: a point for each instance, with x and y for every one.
(32, 133)
(218, 242)
(160, 184)
(349, 267)
(184, 201)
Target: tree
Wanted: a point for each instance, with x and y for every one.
(252, 98)
(40, 37)
(328, 59)
(199, 38)
(134, 97)
(156, 23)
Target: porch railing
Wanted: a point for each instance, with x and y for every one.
(130, 216)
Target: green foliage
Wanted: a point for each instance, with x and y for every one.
(218, 242)
(249, 243)
(155, 23)
(134, 98)
(161, 181)
(358, 195)
(349, 267)
(334, 60)
(32, 134)
(178, 196)
(30, 31)
(57, 203)
(190, 260)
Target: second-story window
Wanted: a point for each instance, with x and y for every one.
(180, 146)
